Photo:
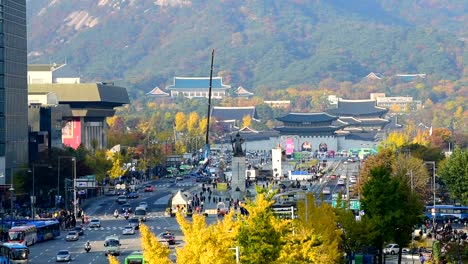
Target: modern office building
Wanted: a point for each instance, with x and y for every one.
(13, 88)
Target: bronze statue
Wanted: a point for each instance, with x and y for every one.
(237, 145)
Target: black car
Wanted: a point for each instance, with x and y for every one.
(135, 222)
(132, 195)
(126, 208)
(79, 230)
(203, 179)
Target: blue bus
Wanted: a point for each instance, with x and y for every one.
(47, 229)
(14, 253)
(447, 212)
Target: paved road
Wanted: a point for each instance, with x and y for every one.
(103, 209)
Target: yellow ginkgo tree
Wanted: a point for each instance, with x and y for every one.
(154, 252)
(207, 244)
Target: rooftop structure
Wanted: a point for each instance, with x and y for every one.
(198, 87)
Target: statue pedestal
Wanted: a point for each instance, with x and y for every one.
(238, 177)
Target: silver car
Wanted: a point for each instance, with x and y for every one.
(72, 236)
(128, 230)
(63, 255)
(95, 223)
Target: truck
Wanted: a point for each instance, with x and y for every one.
(112, 245)
(140, 212)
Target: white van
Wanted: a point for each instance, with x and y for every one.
(112, 245)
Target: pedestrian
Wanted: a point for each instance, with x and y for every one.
(421, 258)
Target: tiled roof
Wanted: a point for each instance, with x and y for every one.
(157, 92)
(233, 113)
(373, 121)
(349, 120)
(357, 108)
(364, 136)
(307, 118)
(198, 83)
(307, 130)
(241, 91)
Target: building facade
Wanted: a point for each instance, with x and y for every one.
(198, 87)
(13, 88)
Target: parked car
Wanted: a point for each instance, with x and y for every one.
(132, 195)
(149, 188)
(79, 230)
(94, 223)
(72, 236)
(391, 249)
(63, 256)
(167, 237)
(128, 230)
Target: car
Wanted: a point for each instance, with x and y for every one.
(121, 192)
(203, 179)
(132, 195)
(94, 223)
(122, 199)
(134, 222)
(63, 256)
(179, 178)
(391, 249)
(126, 208)
(352, 179)
(343, 176)
(333, 176)
(326, 190)
(128, 230)
(111, 193)
(167, 237)
(149, 188)
(72, 236)
(341, 182)
(144, 205)
(79, 230)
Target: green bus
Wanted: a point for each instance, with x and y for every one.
(135, 258)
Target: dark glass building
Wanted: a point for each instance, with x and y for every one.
(13, 88)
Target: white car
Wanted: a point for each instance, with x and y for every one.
(95, 223)
(144, 205)
(391, 249)
(343, 176)
(72, 236)
(341, 182)
(326, 190)
(128, 230)
(63, 255)
(352, 179)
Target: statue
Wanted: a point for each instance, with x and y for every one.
(237, 145)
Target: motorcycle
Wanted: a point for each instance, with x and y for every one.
(87, 248)
(126, 216)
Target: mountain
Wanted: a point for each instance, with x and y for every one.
(257, 42)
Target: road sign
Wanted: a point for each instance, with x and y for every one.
(354, 205)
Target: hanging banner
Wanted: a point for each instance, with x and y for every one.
(289, 146)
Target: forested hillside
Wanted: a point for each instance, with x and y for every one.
(259, 43)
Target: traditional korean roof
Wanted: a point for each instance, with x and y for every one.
(349, 120)
(375, 76)
(286, 130)
(373, 121)
(357, 108)
(363, 136)
(198, 83)
(307, 118)
(233, 113)
(157, 92)
(242, 92)
(248, 130)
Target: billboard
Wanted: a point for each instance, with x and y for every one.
(71, 133)
(289, 146)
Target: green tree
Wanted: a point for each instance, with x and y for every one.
(390, 207)
(454, 172)
(99, 163)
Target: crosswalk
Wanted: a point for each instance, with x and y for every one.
(112, 217)
(115, 228)
(181, 184)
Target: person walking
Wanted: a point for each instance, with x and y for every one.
(421, 258)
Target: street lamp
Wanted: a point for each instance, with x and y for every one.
(433, 190)
(58, 173)
(74, 186)
(33, 196)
